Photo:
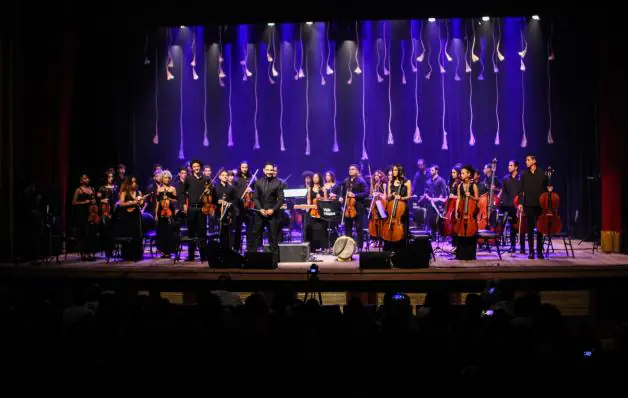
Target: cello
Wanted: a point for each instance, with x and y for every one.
(376, 218)
(449, 218)
(393, 230)
(549, 222)
(467, 224)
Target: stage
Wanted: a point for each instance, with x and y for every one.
(586, 270)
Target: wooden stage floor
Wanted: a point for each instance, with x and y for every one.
(585, 268)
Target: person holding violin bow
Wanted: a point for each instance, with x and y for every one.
(398, 190)
(354, 191)
(511, 186)
(436, 194)
(166, 198)
(378, 193)
(534, 182)
(466, 228)
(129, 219)
(106, 197)
(195, 187)
(316, 229)
(86, 218)
(243, 211)
(225, 214)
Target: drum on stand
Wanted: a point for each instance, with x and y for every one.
(148, 222)
(345, 248)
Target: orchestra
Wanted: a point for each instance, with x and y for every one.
(237, 206)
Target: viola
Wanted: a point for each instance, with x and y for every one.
(164, 207)
(350, 210)
(467, 224)
(314, 212)
(208, 208)
(393, 230)
(94, 216)
(549, 222)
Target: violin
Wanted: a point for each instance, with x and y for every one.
(549, 222)
(393, 230)
(467, 224)
(140, 201)
(93, 212)
(247, 197)
(350, 210)
(164, 206)
(105, 208)
(208, 208)
(314, 213)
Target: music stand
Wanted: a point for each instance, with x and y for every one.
(330, 211)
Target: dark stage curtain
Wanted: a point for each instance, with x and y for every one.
(613, 128)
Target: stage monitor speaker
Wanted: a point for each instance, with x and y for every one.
(257, 260)
(219, 257)
(292, 252)
(374, 260)
(416, 255)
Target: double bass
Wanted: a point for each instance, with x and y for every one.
(393, 230)
(488, 203)
(549, 222)
(467, 224)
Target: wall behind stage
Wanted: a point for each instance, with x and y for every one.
(306, 97)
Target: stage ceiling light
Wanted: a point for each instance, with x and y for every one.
(309, 23)
(431, 19)
(271, 24)
(536, 17)
(486, 19)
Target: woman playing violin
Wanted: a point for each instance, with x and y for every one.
(166, 198)
(466, 246)
(399, 188)
(106, 197)
(129, 223)
(316, 229)
(84, 198)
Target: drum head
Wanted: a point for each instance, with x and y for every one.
(344, 248)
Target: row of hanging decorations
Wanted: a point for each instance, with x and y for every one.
(420, 53)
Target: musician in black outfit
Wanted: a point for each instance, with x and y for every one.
(243, 216)
(225, 214)
(268, 199)
(194, 188)
(485, 185)
(533, 184)
(356, 187)
(420, 177)
(511, 185)
(120, 175)
(435, 192)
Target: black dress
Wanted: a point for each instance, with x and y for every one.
(86, 231)
(316, 229)
(106, 224)
(166, 227)
(128, 224)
